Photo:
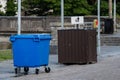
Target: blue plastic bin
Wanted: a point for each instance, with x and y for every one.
(30, 50)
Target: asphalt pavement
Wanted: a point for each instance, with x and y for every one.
(107, 68)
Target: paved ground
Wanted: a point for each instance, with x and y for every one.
(107, 68)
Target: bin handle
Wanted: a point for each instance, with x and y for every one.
(36, 38)
(12, 39)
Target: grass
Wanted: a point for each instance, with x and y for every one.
(5, 55)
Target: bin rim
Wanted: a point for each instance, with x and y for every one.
(31, 36)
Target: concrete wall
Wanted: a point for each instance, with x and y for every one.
(28, 24)
(42, 24)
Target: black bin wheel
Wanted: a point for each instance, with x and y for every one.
(17, 70)
(47, 69)
(36, 71)
(26, 69)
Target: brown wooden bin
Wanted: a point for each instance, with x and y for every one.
(77, 46)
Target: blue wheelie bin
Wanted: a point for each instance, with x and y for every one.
(30, 50)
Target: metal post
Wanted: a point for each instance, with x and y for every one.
(98, 50)
(110, 8)
(62, 14)
(115, 15)
(19, 17)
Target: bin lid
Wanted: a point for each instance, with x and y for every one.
(31, 36)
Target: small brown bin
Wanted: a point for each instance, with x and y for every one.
(77, 46)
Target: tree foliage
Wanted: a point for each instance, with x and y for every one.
(77, 7)
(91, 2)
(1, 12)
(118, 8)
(42, 7)
(71, 7)
(11, 8)
(36, 7)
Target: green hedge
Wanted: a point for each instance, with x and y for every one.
(5, 55)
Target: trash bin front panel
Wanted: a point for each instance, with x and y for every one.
(26, 53)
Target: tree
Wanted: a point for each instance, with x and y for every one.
(11, 8)
(118, 8)
(55, 6)
(71, 7)
(78, 7)
(74, 7)
(42, 7)
(104, 8)
(91, 2)
(36, 7)
(1, 12)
